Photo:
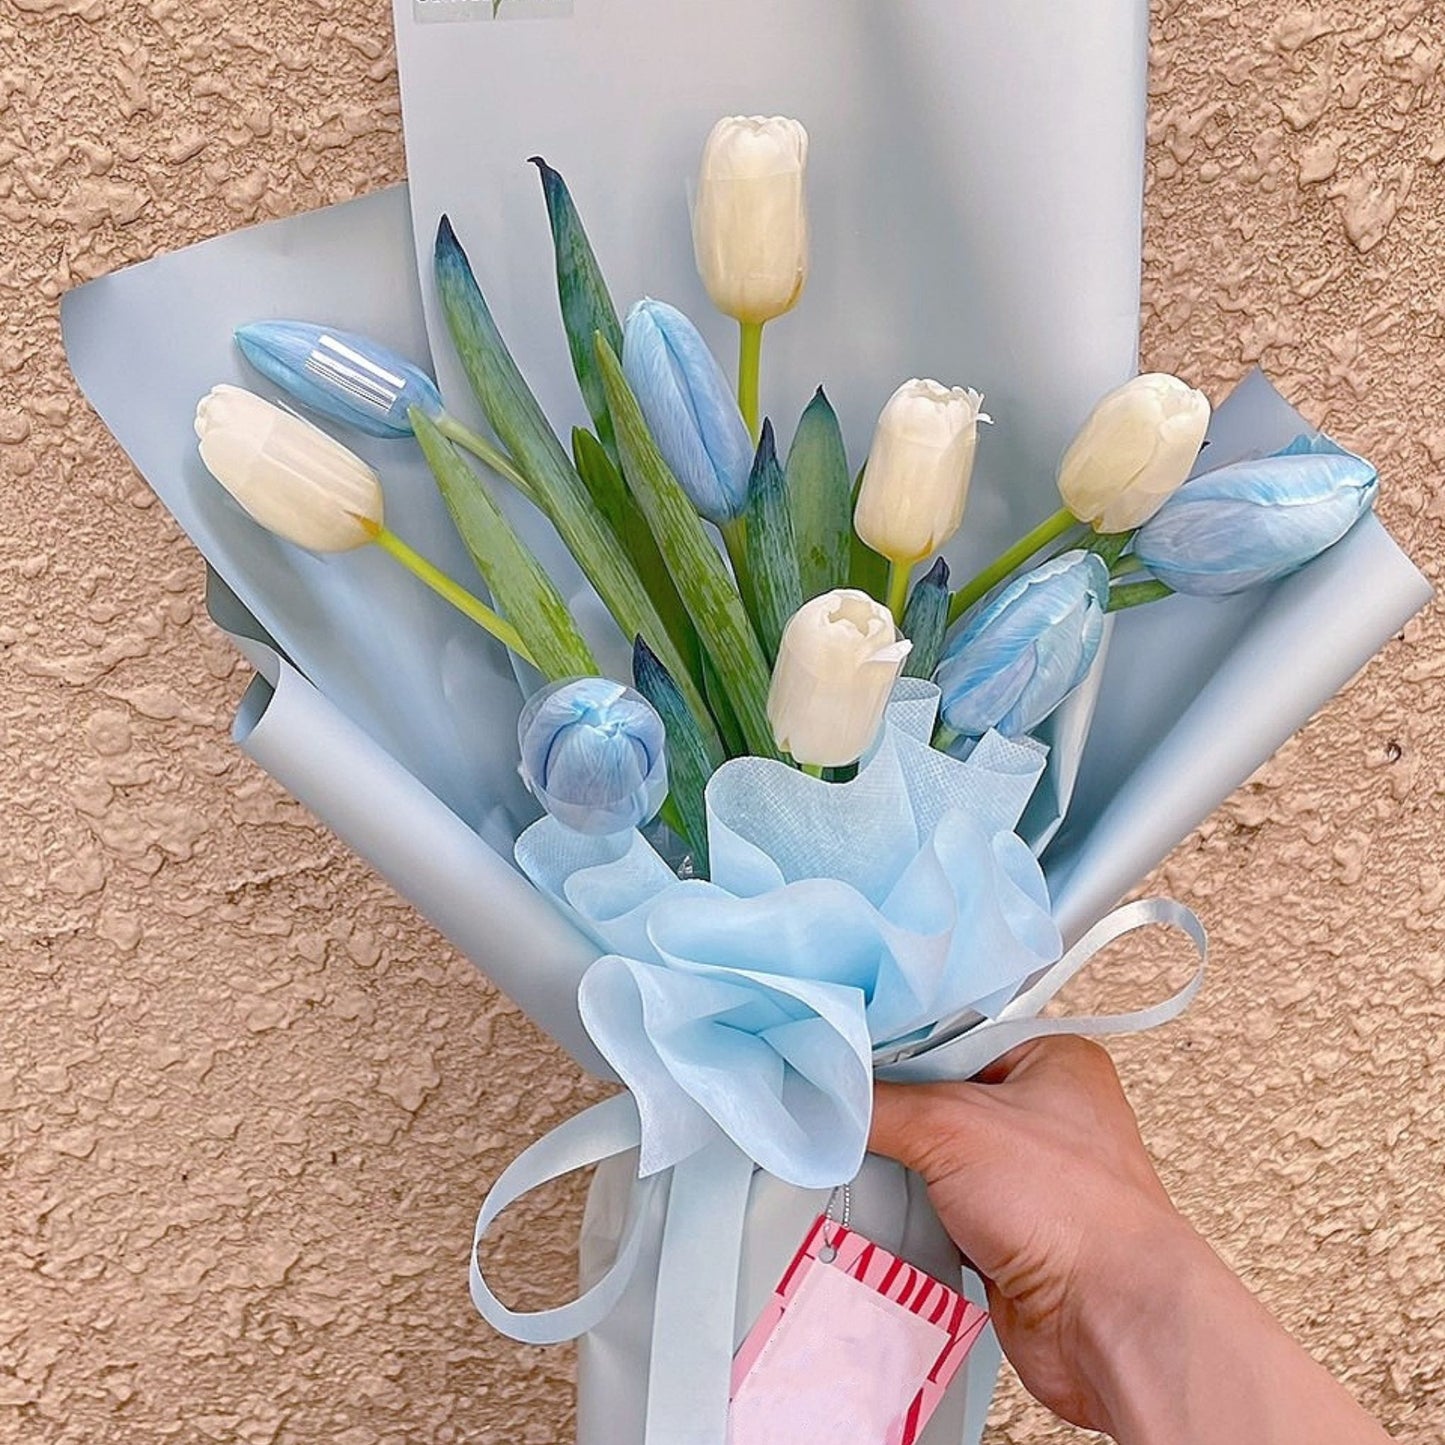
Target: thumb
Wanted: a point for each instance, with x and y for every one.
(911, 1121)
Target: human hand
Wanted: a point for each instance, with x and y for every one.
(1114, 1311)
(1038, 1172)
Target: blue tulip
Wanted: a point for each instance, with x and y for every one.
(690, 409)
(1021, 655)
(350, 378)
(593, 753)
(1256, 521)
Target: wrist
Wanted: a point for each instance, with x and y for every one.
(1135, 1334)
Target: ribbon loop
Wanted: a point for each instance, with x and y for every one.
(707, 1202)
(962, 1055)
(599, 1133)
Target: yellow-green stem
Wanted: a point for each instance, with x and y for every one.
(485, 452)
(1009, 562)
(458, 596)
(813, 770)
(750, 368)
(898, 574)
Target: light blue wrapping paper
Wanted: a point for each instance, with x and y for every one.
(976, 184)
(363, 674)
(836, 918)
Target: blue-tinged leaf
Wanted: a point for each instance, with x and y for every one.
(691, 759)
(522, 426)
(821, 499)
(587, 307)
(777, 591)
(925, 621)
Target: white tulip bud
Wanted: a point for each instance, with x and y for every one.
(839, 658)
(750, 224)
(287, 474)
(1134, 452)
(915, 486)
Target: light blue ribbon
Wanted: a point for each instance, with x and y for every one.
(695, 1308)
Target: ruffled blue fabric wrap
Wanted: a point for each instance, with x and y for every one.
(840, 919)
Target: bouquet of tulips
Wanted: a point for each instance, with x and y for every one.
(801, 808)
(797, 830)
(772, 601)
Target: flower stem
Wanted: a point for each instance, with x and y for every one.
(485, 452)
(1074, 539)
(1110, 545)
(813, 770)
(898, 575)
(750, 362)
(1010, 561)
(944, 737)
(1137, 594)
(458, 596)
(1126, 565)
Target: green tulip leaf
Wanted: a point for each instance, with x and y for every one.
(821, 499)
(925, 621)
(518, 584)
(522, 427)
(777, 591)
(586, 302)
(608, 489)
(701, 575)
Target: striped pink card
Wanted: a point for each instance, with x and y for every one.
(855, 1347)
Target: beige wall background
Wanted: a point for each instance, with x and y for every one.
(248, 1103)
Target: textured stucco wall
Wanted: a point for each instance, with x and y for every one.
(248, 1102)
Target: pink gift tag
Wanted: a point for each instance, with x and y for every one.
(855, 1348)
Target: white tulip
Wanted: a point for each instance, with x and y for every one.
(1134, 452)
(287, 474)
(915, 486)
(839, 658)
(750, 224)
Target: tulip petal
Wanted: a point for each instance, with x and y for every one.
(838, 661)
(593, 753)
(349, 378)
(1256, 521)
(1020, 656)
(1138, 445)
(690, 409)
(287, 474)
(750, 222)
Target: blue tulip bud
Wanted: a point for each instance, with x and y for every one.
(1021, 655)
(690, 409)
(593, 753)
(350, 378)
(1256, 521)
